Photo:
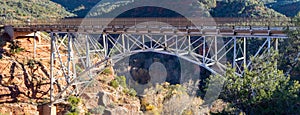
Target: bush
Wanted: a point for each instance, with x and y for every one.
(98, 110)
(130, 91)
(262, 90)
(74, 101)
(15, 48)
(169, 99)
(114, 83)
(118, 81)
(31, 63)
(107, 71)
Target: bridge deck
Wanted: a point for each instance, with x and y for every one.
(212, 30)
(194, 26)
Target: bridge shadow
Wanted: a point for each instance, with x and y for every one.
(4, 38)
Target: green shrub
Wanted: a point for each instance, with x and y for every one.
(130, 91)
(118, 81)
(261, 90)
(15, 48)
(167, 99)
(31, 63)
(71, 113)
(122, 81)
(107, 71)
(114, 83)
(74, 101)
(98, 110)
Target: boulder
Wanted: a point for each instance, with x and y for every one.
(116, 111)
(105, 99)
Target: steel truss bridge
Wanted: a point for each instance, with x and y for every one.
(93, 47)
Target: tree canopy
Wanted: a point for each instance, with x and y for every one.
(262, 89)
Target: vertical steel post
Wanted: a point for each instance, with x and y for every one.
(245, 52)
(87, 54)
(234, 52)
(269, 44)
(34, 45)
(189, 40)
(166, 44)
(143, 40)
(52, 58)
(104, 44)
(204, 49)
(151, 42)
(123, 43)
(276, 49)
(128, 45)
(69, 57)
(276, 44)
(216, 50)
(176, 44)
(73, 63)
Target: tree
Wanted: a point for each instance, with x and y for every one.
(263, 89)
(209, 3)
(290, 49)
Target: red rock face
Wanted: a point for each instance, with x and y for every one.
(18, 109)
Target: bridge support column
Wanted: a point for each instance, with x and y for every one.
(52, 57)
(204, 49)
(70, 57)
(276, 44)
(105, 45)
(269, 44)
(166, 42)
(216, 49)
(34, 45)
(87, 55)
(123, 43)
(143, 40)
(177, 53)
(245, 53)
(234, 52)
(189, 41)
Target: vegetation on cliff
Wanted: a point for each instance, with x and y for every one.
(262, 89)
(22, 10)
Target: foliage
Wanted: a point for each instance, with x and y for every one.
(209, 3)
(21, 10)
(98, 110)
(130, 91)
(169, 99)
(121, 80)
(287, 7)
(74, 101)
(231, 8)
(107, 71)
(262, 89)
(15, 47)
(79, 7)
(244, 8)
(114, 84)
(31, 63)
(290, 51)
